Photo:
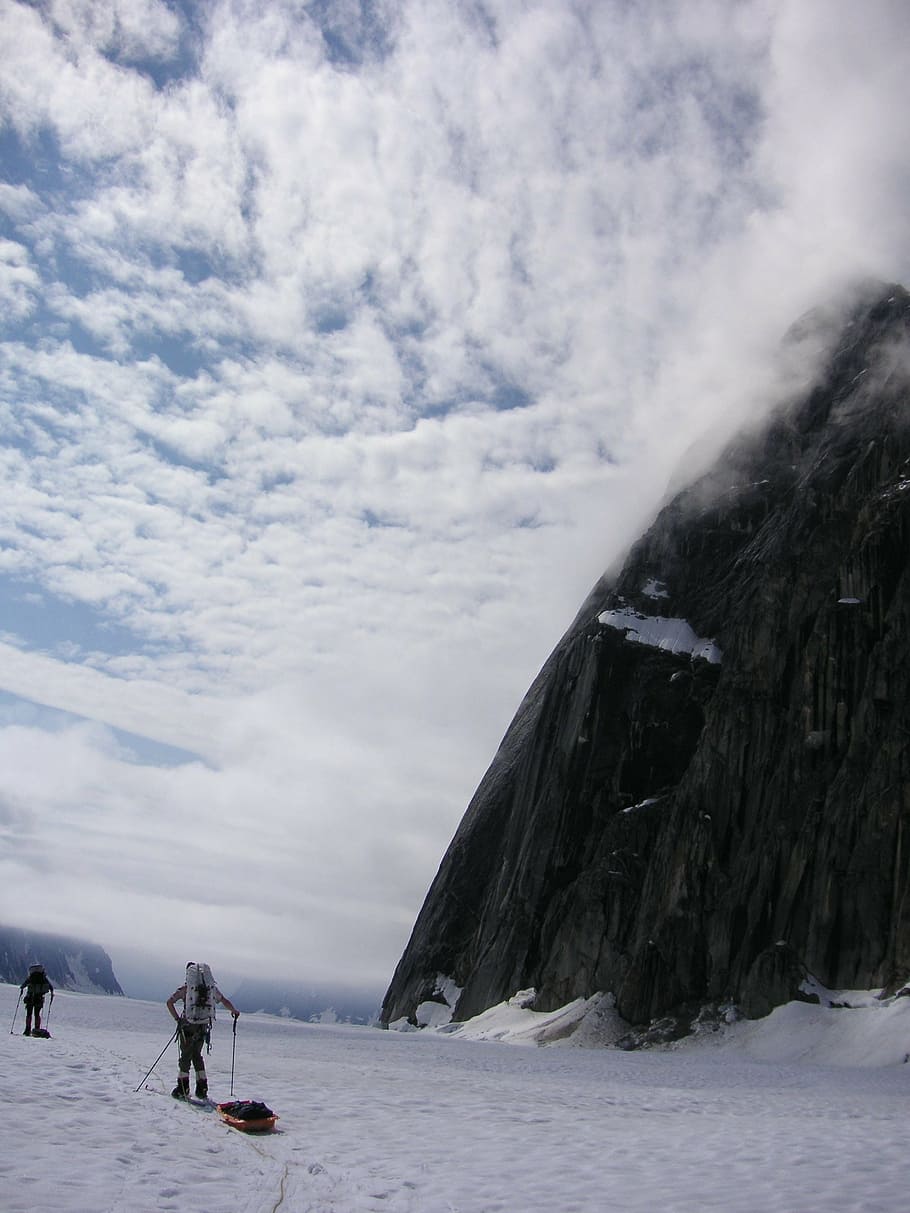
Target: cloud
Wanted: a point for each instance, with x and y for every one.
(136, 30)
(18, 279)
(343, 347)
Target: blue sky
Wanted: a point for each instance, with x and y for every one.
(343, 346)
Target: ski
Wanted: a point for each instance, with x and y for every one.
(205, 1105)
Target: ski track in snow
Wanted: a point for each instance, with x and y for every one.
(382, 1122)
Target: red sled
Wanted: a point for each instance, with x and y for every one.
(248, 1116)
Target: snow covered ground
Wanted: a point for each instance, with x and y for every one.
(806, 1110)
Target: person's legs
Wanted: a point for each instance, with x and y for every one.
(28, 1017)
(192, 1038)
(182, 1089)
(39, 1003)
(202, 1082)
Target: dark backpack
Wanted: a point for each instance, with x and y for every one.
(247, 1109)
(37, 984)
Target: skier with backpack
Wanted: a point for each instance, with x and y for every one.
(199, 993)
(35, 986)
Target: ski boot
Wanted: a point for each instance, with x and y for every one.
(202, 1088)
(182, 1089)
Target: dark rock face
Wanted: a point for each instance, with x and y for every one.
(71, 964)
(681, 827)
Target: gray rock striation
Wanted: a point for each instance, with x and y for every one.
(706, 791)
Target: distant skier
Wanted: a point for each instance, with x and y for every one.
(35, 986)
(198, 995)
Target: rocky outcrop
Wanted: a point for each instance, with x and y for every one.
(705, 791)
(71, 964)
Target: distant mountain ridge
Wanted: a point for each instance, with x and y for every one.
(71, 964)
(314, 1004)
(705, 795)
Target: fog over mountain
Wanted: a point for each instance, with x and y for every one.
(71, 964)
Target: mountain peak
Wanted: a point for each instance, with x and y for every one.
(704, 793)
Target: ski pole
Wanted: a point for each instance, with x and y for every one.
(15, 1013)
(160, 1055)
(50, 1007)
(233, 1054)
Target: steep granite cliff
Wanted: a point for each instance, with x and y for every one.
(705, 791)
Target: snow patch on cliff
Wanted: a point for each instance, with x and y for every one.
(643, 804)
(654, 589)
(437, 1011)
(660, 632)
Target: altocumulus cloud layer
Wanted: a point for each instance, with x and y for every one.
(343, 345)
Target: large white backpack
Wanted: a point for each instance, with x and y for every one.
(199, 1005)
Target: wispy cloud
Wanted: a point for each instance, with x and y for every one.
(343, 346)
